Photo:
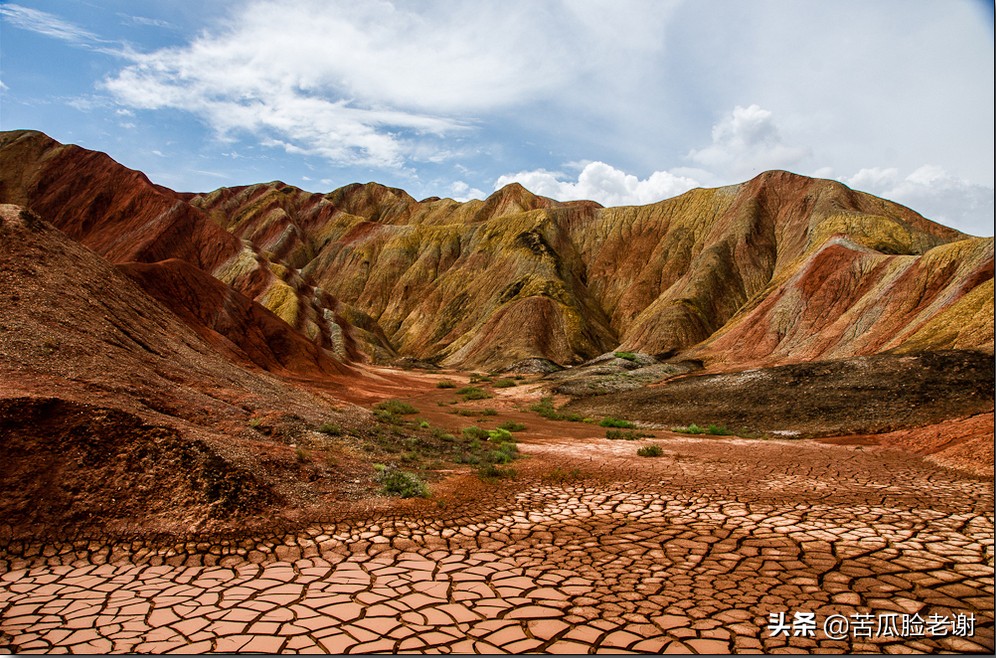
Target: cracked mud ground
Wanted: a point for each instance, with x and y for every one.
(590, 549)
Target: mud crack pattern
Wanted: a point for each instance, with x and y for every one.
(639, 566)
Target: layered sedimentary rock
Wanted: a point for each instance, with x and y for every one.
(779, 269)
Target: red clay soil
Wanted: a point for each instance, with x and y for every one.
(962, 443)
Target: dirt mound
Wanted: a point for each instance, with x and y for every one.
(78, 467)
(861, 395)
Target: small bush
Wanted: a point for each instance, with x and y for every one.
(477, 377)
(473, 393)
(650, 451)
(512, 426)
(445, 384)
(493, 472)
(475, 432)
(330, 429)
(561, 476)
(609, 421)
(617, 435)
(712, 428)
(488, 412)
(506, 383)
(545, 408)
(424, 424)
(301, 455)
(500, 435)
(397, 407)
(629, 356)
(396, 482)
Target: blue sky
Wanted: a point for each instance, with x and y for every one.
(621, 102)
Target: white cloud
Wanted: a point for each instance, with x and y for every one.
(356, 83)
(746, 142)
(46, 24)
(934, 193)
(382, 83)
(461, 191)
(602, 183)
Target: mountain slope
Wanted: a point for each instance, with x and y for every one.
(104, 389)
(487, 283)
(125, 218)
(776, 270)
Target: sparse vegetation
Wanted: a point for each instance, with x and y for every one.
(629, 356)
(473, 393)
(505, 383)
(609, 421)
(493, 472)
(621, 435)
(397, 407)
(545, 408)
(512, 426)
(396, 482)
(302, 455)
(474, 432)
(650, 451)
(445, 383)
(488, 448)
(561, 476)
(330, 429)
(713, 429)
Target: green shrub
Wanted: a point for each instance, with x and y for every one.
(506, 383)
(331, 429)
(396, 482)
(445, 383)
(512, 426)
(500, 435)
(609, 421)
(650, 451)
(488, 412)
(493, 472)
(397, 407)
(473, 393)
(475, 432)
(545, 408)
(712, 428)
(629, 356)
